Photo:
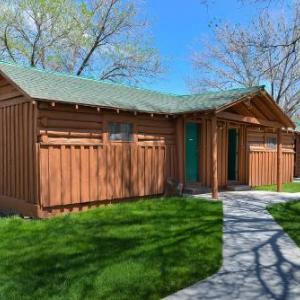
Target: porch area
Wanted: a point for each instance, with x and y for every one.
(246, 144)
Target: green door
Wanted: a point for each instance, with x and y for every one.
(232, 154)
(192, 152)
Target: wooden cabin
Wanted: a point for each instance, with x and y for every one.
(70, 143)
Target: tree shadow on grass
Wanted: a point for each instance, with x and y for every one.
(142, 255)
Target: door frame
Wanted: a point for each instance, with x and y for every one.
(237, 160)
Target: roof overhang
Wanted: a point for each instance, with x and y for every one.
(281, 118)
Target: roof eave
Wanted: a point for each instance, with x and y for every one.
(288, 123)
(288, 120)
(105, 107)
(13, 83)
(236, 101)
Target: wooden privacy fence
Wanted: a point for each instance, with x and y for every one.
(74, 174)
(263, 167)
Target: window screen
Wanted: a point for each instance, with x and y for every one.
(271, 142)
(120, 131)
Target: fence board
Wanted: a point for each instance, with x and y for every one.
(263, 167)
(79, 174)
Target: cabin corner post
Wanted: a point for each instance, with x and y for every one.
(214, 158)
(180, 147)
(279, 160)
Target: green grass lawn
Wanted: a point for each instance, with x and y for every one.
(287, 216)
(292, 187)
(139, 250)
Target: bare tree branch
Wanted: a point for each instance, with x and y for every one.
(267, 52)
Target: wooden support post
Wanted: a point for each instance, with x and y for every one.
(180, 148)
(279, 160)
(214, 157)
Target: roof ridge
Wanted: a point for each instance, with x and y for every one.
(262, 87)
(51, 85)
(65, 74)
(123, 85)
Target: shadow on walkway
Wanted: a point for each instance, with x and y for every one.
(260, 261)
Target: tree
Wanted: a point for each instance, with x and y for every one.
(243, 57)
(107, 39)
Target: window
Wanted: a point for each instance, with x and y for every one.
(120, 131)
(271, 142)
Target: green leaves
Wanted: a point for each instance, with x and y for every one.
(82, 37)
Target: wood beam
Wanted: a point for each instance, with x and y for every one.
(180, 148)
(214, 157)
(262, 112)
(279, 160)
(276, 109)
(222, 108)
(242, 109)
(264, 106)
(247, 119)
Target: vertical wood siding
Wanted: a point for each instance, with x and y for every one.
(18, 162)
(263, 161)
(74, 174)
(17, 152)
(297, 155)
(263, 167)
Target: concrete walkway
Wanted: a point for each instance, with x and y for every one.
(260, 261)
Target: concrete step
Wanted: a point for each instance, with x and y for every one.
(296, 179)
(238, 187)
(195, 190)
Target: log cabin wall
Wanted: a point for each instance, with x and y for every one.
(263, 159)
(79, 165)
(18, 176)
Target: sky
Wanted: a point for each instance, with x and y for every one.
(178, 27)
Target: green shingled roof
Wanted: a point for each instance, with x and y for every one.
(52, 86)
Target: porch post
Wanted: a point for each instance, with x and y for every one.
(214, 157)
(279, 160)
(180, 148)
